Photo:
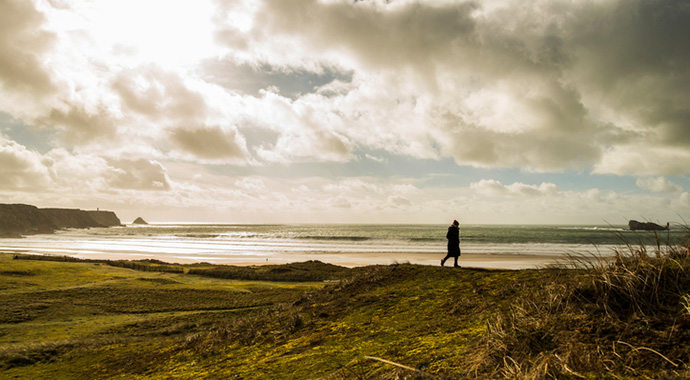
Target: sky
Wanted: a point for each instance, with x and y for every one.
(333, 111)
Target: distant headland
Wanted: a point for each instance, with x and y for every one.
(20, 219)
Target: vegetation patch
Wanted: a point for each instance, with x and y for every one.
(624, 319)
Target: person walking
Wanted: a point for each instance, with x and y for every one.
(453, 237)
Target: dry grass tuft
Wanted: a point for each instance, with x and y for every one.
(625, 316)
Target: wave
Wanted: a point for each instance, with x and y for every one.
(337, 238)
(199, 236)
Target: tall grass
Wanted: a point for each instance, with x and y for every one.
(638, 281)
(626, 315)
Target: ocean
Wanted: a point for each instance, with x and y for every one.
(508, 246)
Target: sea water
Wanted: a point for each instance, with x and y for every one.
(350, 244)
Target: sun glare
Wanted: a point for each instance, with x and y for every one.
(169, 33)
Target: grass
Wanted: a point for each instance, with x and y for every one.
(628, 318)
(49, 309)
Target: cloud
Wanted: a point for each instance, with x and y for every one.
(22, 41)
(306, 131)
(539, 85)
(645, 159)
(398, 201)
(251, 78)
(496, 188)
(139, 174)
(307, 86)
(657, 185)
(21, 169)
(75, 175)
(211, 142)
(159, 94)
(375, 34)
(255, 185)
(685, 199)
(90, 175)
(79, 126)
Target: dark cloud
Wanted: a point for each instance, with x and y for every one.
(536, 151)
(211, 142)
(251, 79)
(22, 42)
(634, 56)
(545, 85)
(384, 36)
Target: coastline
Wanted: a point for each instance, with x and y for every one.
(516, 247)
(505, 261)
(350, 260)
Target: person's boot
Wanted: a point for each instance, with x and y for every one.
(443, 261)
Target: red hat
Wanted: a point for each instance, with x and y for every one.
(455, 222)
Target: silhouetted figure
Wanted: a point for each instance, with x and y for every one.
(453, 237)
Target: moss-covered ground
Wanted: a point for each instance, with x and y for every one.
(86, 320)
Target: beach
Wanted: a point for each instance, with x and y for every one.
(492, 261)
(495, 247)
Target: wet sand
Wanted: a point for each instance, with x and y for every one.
(466, 260)
(493, 261)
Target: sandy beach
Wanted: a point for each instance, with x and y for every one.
(345, 245)
(363, 259)
(492, 261)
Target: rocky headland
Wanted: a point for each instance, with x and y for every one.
(20, 219)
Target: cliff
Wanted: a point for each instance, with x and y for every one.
(105, 218)
(18, 219)
(21, 219)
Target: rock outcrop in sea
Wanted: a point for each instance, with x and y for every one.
(634, 225)
(139, 220)
(20, 219)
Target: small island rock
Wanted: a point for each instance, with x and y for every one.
(139, 220)
(634, 225)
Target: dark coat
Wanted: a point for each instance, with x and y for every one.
(453, 237)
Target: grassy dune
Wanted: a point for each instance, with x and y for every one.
(629, 319)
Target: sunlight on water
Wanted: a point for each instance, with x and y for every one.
(330, 243)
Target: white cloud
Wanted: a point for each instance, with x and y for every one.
(139, 174)
(658, 185)
(496, 188)
(685, 199)
(644, 160)
(21, 169)
(255, 185)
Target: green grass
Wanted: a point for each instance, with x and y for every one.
(627, 319)
(56, 309)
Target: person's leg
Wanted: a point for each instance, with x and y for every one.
(443, 261)
(456, 262)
